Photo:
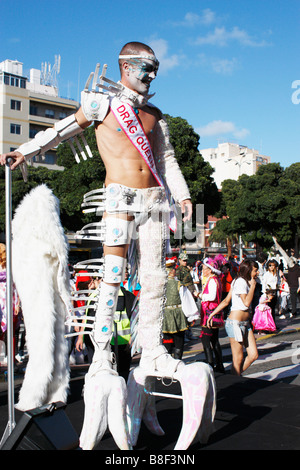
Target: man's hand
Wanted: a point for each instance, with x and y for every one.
(16, 157)
(186, 209)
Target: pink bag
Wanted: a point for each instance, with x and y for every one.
(262, 319)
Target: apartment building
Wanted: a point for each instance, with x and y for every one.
(28, 106)
(231, 160)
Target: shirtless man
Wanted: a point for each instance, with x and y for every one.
(126, 169)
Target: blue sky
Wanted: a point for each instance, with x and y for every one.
(227, 67)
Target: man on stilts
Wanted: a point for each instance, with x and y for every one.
(141, 175)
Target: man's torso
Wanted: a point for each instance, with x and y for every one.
(123, 162)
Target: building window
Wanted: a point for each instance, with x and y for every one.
(15, 129)
(14, 81)
(62, 115)
(33, 110)
(15, 104)
(49, 113)
(32, 133)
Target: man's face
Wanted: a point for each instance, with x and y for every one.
(140, 74)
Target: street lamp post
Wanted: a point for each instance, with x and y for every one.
(239, 163)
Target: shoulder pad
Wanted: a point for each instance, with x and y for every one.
(94, 105)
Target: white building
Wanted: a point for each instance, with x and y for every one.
(232, 160)
(28, 106)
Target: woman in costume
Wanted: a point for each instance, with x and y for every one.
(237, 325)
(174, 322)
(271, 283)
(210, 299)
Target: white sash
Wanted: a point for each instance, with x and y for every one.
(133, 129)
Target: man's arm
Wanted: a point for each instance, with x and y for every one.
(283, 253)
(48, 139)
(170, 170)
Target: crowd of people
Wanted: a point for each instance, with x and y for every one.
(247, 298)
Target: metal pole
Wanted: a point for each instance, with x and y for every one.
(241, 248)
(9, 305)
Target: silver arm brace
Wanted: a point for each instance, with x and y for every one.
(51, 137)
(167, 164)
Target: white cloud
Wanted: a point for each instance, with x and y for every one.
(218, 128)
(160, 47)
(218, 65)
(222, 37)
(190, 20)
(224, 66)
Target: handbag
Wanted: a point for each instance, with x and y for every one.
(217, 320)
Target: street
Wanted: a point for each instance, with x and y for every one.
(259, 411)
(279, 353)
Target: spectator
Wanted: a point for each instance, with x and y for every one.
(122, 331)
(226, 280)
(186, 291)
(284, 296)
(293, 276)
(195, 276)
(82, 286)
(183, 274)
(3, 307)
(210, 299)
(237, 325)
(261, 261)
(174, 322)
(271, 283)
(293, 279)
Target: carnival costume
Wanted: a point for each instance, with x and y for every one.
(105, 393)
(174, 322)
(41, 275)
(211, 297)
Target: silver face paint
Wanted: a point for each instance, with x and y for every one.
(141, 74)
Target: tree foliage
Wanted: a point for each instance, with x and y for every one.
(262, 205)
(197, 172)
